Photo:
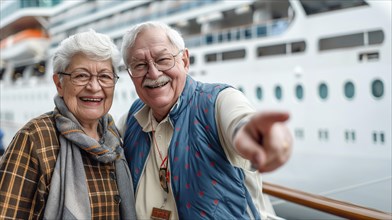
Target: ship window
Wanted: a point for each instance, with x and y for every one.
(345, 41)
(271, 50)
(369, 56)
(376, 37)
(2, 71)
(278, 92)
(220, 37)
(259, 93)
(382, 137)
(323, 91)
(278, 27)
(209, 39)
(299, 133)
(349, 90)
(299, 92)
(323, 134)
(261, 31)
(375, 137)
(237, 34)
(377, 88)
(228, 36)
(297, 47)
(379, 137)
(210, 57)
(248, 33)
(192, 60)
(235, 54)
(315, 7)
(350, 135)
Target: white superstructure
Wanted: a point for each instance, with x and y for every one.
(327, 62)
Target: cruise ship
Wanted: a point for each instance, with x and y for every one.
(327, 62)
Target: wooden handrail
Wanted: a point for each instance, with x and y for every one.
(324, 204)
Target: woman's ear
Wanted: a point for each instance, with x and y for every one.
(57, 82)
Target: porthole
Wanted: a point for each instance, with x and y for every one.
(377, 88)
(299, 92)
(323, 91)
(278, 92)
(192, 60)
(349, 90)
(259, 93)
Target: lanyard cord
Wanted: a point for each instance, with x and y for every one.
(163, 164)
(156, 146)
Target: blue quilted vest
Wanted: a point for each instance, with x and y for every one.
(204, 183)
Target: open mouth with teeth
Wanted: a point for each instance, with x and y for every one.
(91, 99)
(157, 85)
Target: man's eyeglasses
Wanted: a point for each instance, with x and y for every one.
(79, 78)
(163, 62)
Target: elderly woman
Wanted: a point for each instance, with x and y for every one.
(69, 163)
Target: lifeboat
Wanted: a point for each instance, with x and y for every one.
(21, 36)
(26, 44)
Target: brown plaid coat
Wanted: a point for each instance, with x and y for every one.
(27, 166)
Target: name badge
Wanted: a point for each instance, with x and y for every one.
(160, 214)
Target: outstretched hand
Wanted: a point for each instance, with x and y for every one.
(265, 140)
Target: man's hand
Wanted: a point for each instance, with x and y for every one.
(265, 141)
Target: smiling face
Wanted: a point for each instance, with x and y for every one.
(90, 102)
(158, 89)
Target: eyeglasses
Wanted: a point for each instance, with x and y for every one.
(163, 62)
(105, 79)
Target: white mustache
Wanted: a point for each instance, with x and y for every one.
(155, 83)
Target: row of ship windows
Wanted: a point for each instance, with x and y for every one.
(377, 90)
(344, 41)
(329, 43)
(378, 137)
(349, 135)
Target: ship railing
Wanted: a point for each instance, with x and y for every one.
(324, 204)
(177, 7)
(129, 17)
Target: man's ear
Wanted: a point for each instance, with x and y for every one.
(57, 82)
(185, 58)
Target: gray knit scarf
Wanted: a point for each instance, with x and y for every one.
(68, 195)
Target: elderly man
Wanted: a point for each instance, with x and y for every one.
(189, 144)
